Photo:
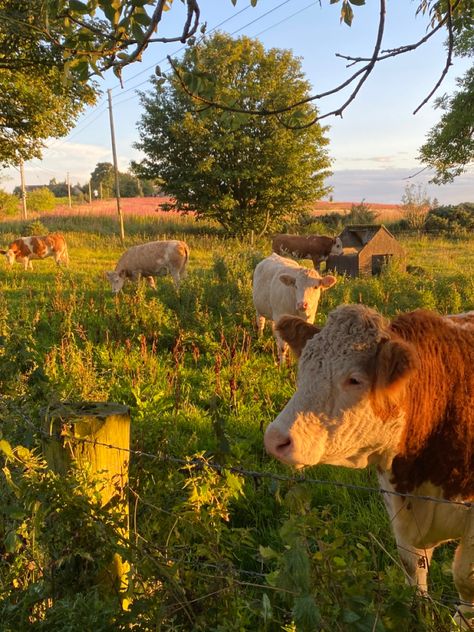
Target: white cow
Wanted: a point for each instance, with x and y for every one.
(149, 260)
(281, 286)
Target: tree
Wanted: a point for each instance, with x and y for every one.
(415, 206)
(36, 102)
(449, 147)
(245, 172)
(130, 185)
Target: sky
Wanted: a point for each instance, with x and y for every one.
(373, 147)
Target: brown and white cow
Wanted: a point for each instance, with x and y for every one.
(148, 260)
(314, 247)
(25, 249)
(281, 286)
(398, 395)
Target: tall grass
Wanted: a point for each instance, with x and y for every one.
(209, 551)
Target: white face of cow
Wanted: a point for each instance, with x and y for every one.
(10, 257)
(308, 285)
(337, 248)
(346, 408)
(116, 281)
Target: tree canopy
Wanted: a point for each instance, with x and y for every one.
(36, 101)
(246, 172)
(449, 147)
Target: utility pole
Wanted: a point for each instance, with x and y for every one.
(24, 212)
(69, 190)
(90, 193)
(114, 153)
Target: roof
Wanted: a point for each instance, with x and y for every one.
(358, 235)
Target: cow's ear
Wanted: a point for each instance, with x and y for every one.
(287, 279)
(296, 332)
(328, 281)
(396, 360)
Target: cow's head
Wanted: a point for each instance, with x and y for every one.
(337, 247)
(348, 407)
(308, 285)
(116, 280)
(10, 255)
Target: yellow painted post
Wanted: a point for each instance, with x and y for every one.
(82, 432)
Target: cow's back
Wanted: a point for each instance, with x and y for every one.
(153, 256)
(269, 293)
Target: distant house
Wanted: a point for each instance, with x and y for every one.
(366, 248)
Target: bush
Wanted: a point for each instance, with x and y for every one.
(8, 203)
(458, 220)
(41, 200)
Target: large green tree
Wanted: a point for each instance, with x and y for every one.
(37, 100)
(449, 147)
(246, 172)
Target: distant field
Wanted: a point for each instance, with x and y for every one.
(151, 206)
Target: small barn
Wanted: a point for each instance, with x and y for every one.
(366, 248)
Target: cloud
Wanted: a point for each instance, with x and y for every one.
(388, 186)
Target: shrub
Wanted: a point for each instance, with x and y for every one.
(8, 203)
(41, 200)
(458, 220)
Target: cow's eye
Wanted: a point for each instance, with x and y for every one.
(353, 381)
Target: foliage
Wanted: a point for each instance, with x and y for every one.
(246, 172)
(452, 220)
(9, 204)
(361, 214)
(38, 103)
(415, 206)
(41, 200)
(210, 550)
(103, 178)
(449, 147)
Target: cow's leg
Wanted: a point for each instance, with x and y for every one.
(27, 263)
(151, 282)
(260, 324)
(416, 563)
(282, 346)
(176, 277)
(463, 573)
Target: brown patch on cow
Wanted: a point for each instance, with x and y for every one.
(296, 332)
(393, 365)
(438, 441)
(20, 248)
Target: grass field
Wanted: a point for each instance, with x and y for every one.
(209, 550)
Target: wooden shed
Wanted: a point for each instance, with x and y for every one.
(366, 248)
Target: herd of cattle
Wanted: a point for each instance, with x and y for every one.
(398, 395)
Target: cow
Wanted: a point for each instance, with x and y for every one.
(154, 258)
(314, 247)
(25, 249)
(281, 286)
(398, 395)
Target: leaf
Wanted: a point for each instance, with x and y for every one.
(306, 613)
(11, 542)
(347, 13)
(267, 612)
(357, 3)
(6, 448)
(79, 7)
(267, 553)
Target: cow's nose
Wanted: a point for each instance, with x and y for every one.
(277, 443)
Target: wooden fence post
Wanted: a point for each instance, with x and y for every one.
(95, 423)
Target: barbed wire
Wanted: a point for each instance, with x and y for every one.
(202, 463)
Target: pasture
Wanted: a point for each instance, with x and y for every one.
(210, 549)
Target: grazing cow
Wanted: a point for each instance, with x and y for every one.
(314, 247)
(37, 247)
(398, 395)
(281, 286)
(148, 260)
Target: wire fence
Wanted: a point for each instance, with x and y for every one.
(241, 576)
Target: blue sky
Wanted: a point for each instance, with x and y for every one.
(374, 146)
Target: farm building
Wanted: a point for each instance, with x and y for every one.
(366, 248)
